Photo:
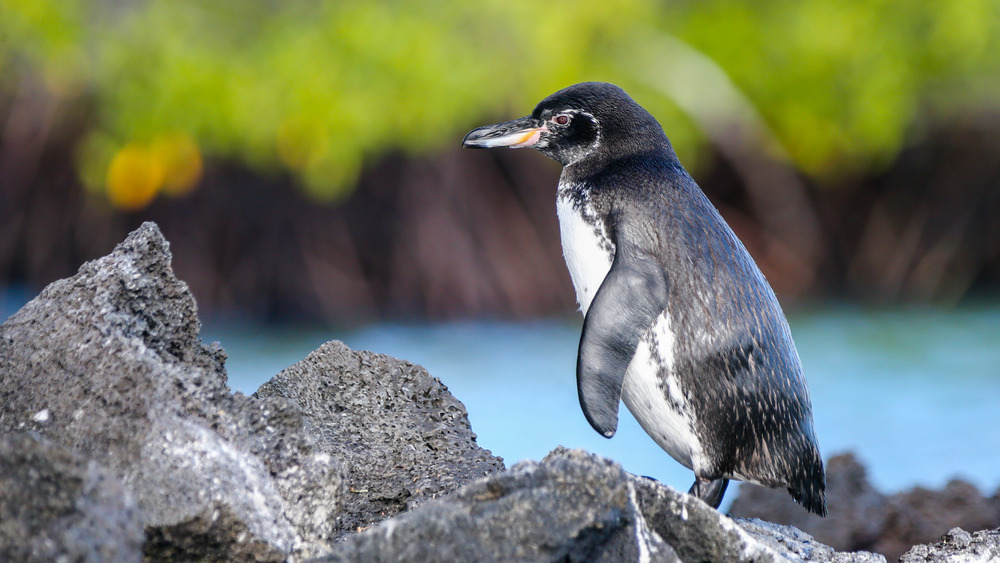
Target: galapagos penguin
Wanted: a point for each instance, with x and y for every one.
(679, 322)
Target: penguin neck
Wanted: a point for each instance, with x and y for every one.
(600, 163)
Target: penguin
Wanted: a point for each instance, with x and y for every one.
(679, 322)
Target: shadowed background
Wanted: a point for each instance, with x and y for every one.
(303, 159)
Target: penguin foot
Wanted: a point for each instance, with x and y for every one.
(709, 490)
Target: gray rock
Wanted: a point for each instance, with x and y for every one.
(58, 506)
(862, 518)
(958, 546)
(796, 545)
(403, 438)
(858, 512)
(572, 506)
(575, 506)
(109, 363)
(697, 532)
(921, 515)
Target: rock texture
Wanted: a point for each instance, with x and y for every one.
(403, 438)
(696, 531)
(109, 364)
(861, 518)
(796, 545)
(56, 504)
(570, 507)
(575, 506)
(700, 533)
(958, 546)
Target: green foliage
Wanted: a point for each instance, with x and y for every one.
(843, 83)
(317, 87)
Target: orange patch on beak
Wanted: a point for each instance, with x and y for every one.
(529, 138)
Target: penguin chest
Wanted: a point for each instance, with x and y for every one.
(586, 247)
(650, 390)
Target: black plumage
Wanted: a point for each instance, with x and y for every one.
(674, 305)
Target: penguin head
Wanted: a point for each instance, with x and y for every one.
(588, 121)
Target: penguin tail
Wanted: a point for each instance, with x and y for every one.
(809, 489)
(808, 484)
(812, 499)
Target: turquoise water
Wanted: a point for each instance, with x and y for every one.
(914, 393)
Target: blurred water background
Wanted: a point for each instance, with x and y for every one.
(303, 161)
(914, 392)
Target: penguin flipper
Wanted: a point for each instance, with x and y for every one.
(630, 298)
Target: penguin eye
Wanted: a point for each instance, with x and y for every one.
(561, 119)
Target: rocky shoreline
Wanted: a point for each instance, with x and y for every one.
(120, 440)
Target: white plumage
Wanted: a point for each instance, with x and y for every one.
(586, 247)
(658, 404)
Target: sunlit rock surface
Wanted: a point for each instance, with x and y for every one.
(403, 438)
(109, 364)
(56, 505)
(958, 546)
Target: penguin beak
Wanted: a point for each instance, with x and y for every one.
(515, 134)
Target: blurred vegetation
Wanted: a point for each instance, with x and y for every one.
(319, 88)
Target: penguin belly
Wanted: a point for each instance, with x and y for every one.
(656, 400)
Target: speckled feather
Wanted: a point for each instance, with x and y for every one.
(733, 375)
